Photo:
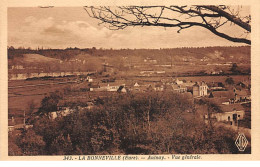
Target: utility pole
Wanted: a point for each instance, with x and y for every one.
(171, 61)
(24, 117)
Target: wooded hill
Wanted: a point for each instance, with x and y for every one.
(239, 54)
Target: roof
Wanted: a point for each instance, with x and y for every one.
(136, 84)
(158, 84)
(94, 85)
(231, 107)
(243, 92)
(214, 84)
(116, 83)
(219, 100)
(175, 86)
(223, 94)
(200, 84)
(188, 84)
(121, 88)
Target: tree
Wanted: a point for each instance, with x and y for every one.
(50, 103)
(182, 17)
(62, 145)
(13, 148)
(234, 68)
(31, 143)
(31, 105)
(229, 81)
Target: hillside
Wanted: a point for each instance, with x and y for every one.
(205, 59)
(37, 58)
(234, 54)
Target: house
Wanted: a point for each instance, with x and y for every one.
(179, 88)
(89, 79)
(150, 88)
(230, 114)
(200, 89)
(112, 87)
(232, 117)
(53, 115)
(136, 85)
(122, 89)
(62, 111)
(17, 76)
(11, 124)
(17, 124)
(17, 67)
(160, 72)
(159, 87)
(188, 84)
(242, 95)
(216, 86)
(178, 82)
(94, 87)
(150, 60)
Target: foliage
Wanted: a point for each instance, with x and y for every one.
(13, 148)
(229, 81)
(31, 143)
(50, 103)
(151, 123)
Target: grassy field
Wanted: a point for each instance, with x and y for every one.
(20, 97)
(222, 79)
(236, 78)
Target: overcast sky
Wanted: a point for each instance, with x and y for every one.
(71, 27)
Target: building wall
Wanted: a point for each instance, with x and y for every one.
(228, 116)
(203, 90)
(200, 90)
(195, 91)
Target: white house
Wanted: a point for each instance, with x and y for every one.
(89, 79)
(200, 89)
(112, 88)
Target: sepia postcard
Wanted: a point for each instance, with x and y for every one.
(135, 81)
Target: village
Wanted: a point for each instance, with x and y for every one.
(208, 90)
(229, 97)
(129, 80)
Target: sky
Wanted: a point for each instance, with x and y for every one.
(62, 27)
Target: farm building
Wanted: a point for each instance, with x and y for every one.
(231, 113)
(200, 89)
(179, 88)
(222, 97)
(232, 117)
(242, 95)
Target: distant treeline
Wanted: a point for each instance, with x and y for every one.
(68, 53)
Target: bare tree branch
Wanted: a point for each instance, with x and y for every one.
(208, 17)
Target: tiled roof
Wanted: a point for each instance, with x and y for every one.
(223, 94)
(242, 92)
(231, 107)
